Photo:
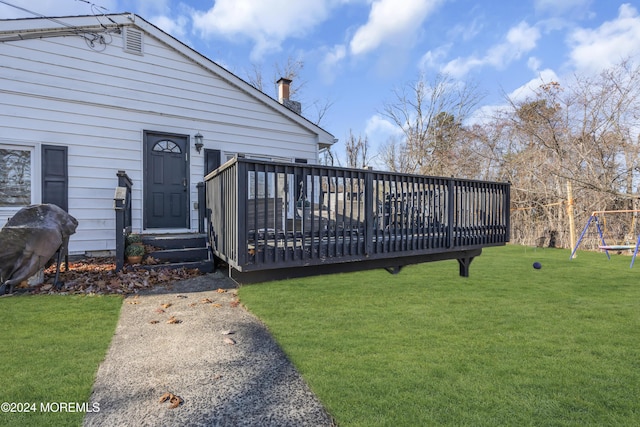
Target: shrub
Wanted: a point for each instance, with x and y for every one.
(134, 238)
(134, 250)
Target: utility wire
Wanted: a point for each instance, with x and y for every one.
(57, 21)
(89, 37)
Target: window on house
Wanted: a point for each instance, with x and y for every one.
(15, 177)
(167, 146)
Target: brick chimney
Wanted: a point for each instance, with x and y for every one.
(283, 96)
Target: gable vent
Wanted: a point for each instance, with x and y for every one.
(133, 41)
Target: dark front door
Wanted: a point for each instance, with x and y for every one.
(166, 188)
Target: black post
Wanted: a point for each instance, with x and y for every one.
(450, 212)
(201, 207)
(119, 203)
(369, 212)
(241, 198)
(122, 206)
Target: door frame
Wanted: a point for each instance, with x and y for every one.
(146, 180)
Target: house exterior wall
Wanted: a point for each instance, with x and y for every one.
(59, 91)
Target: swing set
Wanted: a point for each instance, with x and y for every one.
(604, 245)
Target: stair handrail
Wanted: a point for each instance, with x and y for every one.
(122, 207)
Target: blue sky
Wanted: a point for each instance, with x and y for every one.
(355, 52)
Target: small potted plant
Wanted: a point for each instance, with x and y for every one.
(134, 253)
(134, 239)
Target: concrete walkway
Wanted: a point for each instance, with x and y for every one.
(174, 341)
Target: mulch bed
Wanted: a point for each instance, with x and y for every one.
(98, 276)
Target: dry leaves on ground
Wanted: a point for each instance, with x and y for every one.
(98, 276)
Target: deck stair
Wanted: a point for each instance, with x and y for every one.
(187, 250)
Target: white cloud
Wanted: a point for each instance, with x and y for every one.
(391, 21)
(519, 40)
(528, 90)
(596, 49)
(433, 58)
(177, 27)
(379, 129)
(330, 64)
(265, 22)
(466, 31)
(534, 63)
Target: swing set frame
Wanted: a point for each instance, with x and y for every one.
(604, 246)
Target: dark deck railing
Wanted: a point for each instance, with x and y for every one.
(266, 215)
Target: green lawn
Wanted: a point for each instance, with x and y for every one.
(50, 349)
(510, 345)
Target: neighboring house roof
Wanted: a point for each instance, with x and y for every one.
(29, 28)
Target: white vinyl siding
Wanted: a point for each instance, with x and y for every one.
(98, 104)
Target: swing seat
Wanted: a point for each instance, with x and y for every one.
(617, 247)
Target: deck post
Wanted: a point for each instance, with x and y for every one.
(202, 206)
(450, 211)
(369, 210)
(241, 198)
(464, 265)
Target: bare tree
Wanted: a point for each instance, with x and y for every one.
(255, 78)
(292, 69)
(430, 115)
(583, 132)
(395, 156)
(357, 151)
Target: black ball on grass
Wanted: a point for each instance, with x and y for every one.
(537, 265)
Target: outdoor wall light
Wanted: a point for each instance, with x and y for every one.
(198, 137)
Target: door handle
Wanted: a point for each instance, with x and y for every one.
(184, 183)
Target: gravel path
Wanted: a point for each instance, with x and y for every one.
(238, 379)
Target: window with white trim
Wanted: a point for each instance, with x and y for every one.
(16, 169)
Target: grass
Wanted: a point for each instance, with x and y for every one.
(50, 349)
(510, 345)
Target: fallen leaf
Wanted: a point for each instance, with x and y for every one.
(229, 341)
(228, 332)
(181, 296)
(153, 322)
(173, 320)
(234, 303)
(174, 400)
(167, 305)
(159, 310)
(206, 300)
(150, 261)
(216, 305)
(221, 291)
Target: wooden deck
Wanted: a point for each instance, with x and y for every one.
(271, 220)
